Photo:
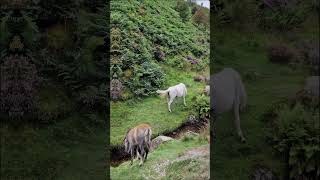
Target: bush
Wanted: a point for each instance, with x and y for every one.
(183, 8)
(201, 18)
(295, 134)
(238, 12)
(282, 15)
(201, 105)
(147, 78)
(279, 53)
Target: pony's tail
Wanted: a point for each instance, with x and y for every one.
(148, 136)
(163, 92)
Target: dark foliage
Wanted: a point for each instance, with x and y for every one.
(159, 55)
(19, 80)
(282, 14)
(279, 53)
(294, 133)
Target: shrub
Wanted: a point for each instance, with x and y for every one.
(201, 105)
(295, 134)
(279, 53)
(183, 8)
(148, 77)
(201, 18)
(282, 15)
(238, 12)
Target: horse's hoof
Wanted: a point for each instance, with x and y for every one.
(243, 140)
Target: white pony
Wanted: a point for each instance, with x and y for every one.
(228, 93)
(172, 92)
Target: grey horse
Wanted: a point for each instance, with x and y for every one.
(228, 93)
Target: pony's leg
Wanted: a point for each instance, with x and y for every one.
(184, 100)
(169, 104)
(237, 121)
(138, 155)
(132, 156)
(146, 154)
(141, 155)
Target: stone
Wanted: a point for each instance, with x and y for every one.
(159, 140)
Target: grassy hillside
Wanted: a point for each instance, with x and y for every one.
(154, 110)
(143, 30)
(146, 26)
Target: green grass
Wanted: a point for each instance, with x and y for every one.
(153, 109)
(232, 159)
(165, 152)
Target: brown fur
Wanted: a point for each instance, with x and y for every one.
(138, 140)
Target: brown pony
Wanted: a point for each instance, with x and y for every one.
(138, 140)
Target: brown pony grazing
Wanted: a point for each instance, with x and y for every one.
(138, 140)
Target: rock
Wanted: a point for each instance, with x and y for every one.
(312, 85)
(159, 140)
(192, 119)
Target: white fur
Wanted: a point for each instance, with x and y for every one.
(228, 92)
(172, 92)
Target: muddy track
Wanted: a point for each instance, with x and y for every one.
(118, 154)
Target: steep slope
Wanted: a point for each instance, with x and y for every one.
(143, 29)
(146, 28)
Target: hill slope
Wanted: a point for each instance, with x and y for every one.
(142, 30)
